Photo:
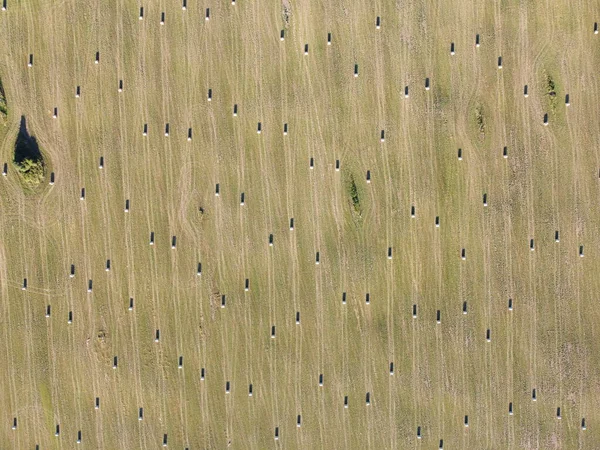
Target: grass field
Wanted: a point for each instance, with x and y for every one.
(52, 371)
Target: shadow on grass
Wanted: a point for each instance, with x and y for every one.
(26, 146)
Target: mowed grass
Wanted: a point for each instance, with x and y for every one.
(52, 371)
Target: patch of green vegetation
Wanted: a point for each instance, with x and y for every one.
(353, 193)
(550, 86)
(28, 159)
(551, 90)
(480, 119)
(3, 105)
(31, 170)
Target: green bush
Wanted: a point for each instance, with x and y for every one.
(3, 105)
(31, 170)
(550, 86)
(353, 192)
(479, 118)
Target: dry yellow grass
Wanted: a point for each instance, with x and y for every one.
(52, 371)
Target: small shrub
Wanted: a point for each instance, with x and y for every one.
(353, 192)
(28, 159)
(479, 119)
(551, 91)
(3, 105)
(31, 170)
(550, 86)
